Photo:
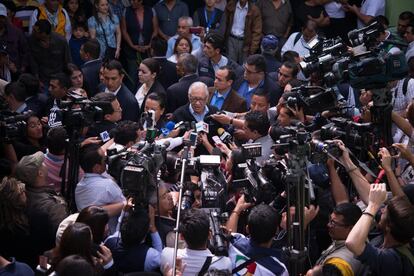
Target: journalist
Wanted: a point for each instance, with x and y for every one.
(97, 187)
(254, 254)
(195, 230)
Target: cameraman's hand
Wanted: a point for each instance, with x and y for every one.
(221, 118)
(91, 140)
(404, 151)
(104, 254)
(202, 138)
(377, 195)
(345, 159)
(386, 158)
(242, 205)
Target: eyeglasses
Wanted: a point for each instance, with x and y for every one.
(336, 224)
(200, 100)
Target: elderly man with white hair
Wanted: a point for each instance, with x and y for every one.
(183, 29)
(196, 111)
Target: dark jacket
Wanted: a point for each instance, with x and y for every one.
(90, 71)
(205, 69)
(177, 94)
(45, 62)
(37, 104)
(183, 114)
(16, 46)
(168, 72)
(129, 105)
(252, 26)
(233, 102)
(155, 88)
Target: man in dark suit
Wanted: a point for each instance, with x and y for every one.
(89, 53)
(197, 110)
(168, 72)
(187, 66)
(113, 76)
(222, 95)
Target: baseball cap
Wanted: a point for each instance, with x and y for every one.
(270, 42)
(28, 167)
(3, 10)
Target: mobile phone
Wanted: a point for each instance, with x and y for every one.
(193, 138)
(195, 30)
(216, 139)
(393, 151)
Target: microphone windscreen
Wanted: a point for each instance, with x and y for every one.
(220, 131)
(170, 125)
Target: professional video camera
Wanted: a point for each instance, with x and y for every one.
(12, 125)
(369, 67)
(249, 176)
(136, 171)
(359, 136)
(78, 112)
(312, 99)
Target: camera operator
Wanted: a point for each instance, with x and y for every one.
(256, 128)
(112, 113)
(96, 187)
(58, 87)
(164, 207)
(195, 229)
(393, 256)
(157, 103)
(255, 252)
(129, 250)
(15, 96)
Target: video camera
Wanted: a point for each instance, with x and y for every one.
(249, 176)
(312, 99)
(136, 171)
(368, 67)
(78, 112)
(13, 125)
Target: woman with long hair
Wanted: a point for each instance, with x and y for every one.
(104, 26)
(14, 224)
(148, 75)
(32, 140)
(182, 45)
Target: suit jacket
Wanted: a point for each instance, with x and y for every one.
(233, 102)
(183, 114)
(168, 72)
(155, 88)
(129, 105)
(177, 94)
(91, 76)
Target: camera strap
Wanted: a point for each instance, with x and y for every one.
(206, 265)
(246, 263)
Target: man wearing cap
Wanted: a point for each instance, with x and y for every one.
(13, 45)
(269, 47)
(45, 208)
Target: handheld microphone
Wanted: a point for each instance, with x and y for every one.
(202, 127)
(169, 126)
(224, 136)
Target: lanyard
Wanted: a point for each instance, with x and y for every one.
(211, 20)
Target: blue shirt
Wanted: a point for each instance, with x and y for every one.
(218, 99)
(245, 93)
(16, 268)
(98, 189)
(195, 41)
(168, 19)
(104, 29)
(152, 259)
(198, 117)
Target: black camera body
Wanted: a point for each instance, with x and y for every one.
(312, 99)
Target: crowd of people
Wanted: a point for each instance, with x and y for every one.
(102, 76)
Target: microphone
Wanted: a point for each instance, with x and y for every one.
(224, 136)
(202, 127)
(169, 126)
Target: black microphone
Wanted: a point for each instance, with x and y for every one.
(224, 136)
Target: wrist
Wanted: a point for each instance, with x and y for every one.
(372, 208)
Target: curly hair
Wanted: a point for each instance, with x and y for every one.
(12, 215)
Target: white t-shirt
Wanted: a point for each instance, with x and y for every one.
(334, 10)
(194, 260)
(372, 8)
